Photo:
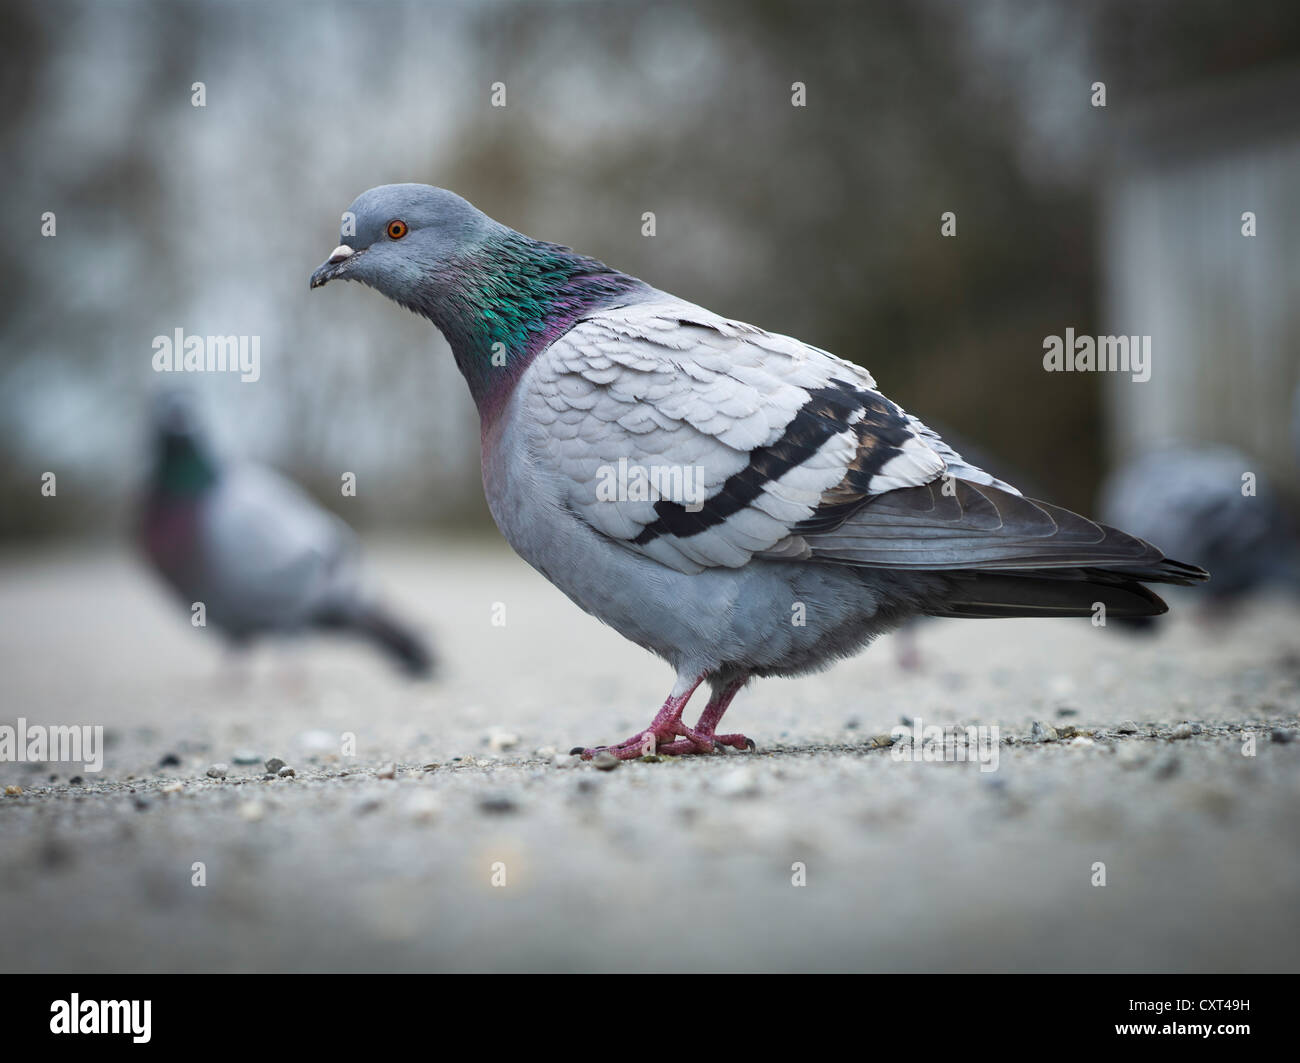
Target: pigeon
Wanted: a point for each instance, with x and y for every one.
(1193, 499)
(738, 502)
(250, 545)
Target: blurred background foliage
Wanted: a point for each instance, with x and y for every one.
(819, 221)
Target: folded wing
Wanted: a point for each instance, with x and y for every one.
(704, 442)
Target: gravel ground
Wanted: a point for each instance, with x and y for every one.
(386, 859)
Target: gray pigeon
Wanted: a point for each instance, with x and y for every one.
(261, 556)
(1192, 500)
(735, 501)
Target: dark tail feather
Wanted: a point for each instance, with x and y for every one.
(1066, 592)
(1167, 570)
(1143, 626)
(411, 654)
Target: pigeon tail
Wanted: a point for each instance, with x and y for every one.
(1106, 592)
(407, 651)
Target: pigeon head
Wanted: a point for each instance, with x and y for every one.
(497, 295)
(184, 464)
(399, 238)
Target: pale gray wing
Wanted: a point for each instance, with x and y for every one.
(765, 447)
(704, 442)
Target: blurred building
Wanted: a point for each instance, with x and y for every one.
(1222, 307)
(819, 220)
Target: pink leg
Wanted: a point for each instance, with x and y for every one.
(683, 740)
(665, 727)
(703, 732)
(667, 733)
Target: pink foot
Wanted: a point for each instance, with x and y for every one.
(668, 735)
(697, 742)
(643, 744)
(689, 742)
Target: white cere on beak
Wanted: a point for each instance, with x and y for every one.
(340, 253)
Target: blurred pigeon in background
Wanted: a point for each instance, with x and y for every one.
(1193, 501)
(736, 501)
(261, 556)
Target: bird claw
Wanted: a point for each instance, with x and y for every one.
(634, 747)
(683, 741)
(735, 742)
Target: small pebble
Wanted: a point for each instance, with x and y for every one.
(498, 804)
(218, 771)
(1128, 727)
(1065, 710)
(13, 791)
(246, 756)
(1218, 803)
(881, 741)
(1282, 737)
(286, 772)
(498, 740)
(55, 854)
(739, 783)
(605, 761)
(140, 803)
(76, 780)
(431, 766)
(1082, 742)
(564, 760)
(1042, 732)
(252, 811)
(388, 771)
(274, 764)
(1183, 730)
(169, 760)
(173, 787)
(423, 807)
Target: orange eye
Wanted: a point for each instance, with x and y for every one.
(396, 229)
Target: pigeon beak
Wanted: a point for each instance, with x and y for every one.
(332, 266)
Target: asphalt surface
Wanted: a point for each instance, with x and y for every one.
(439, 826)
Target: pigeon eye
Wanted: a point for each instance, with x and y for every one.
(396, 229)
